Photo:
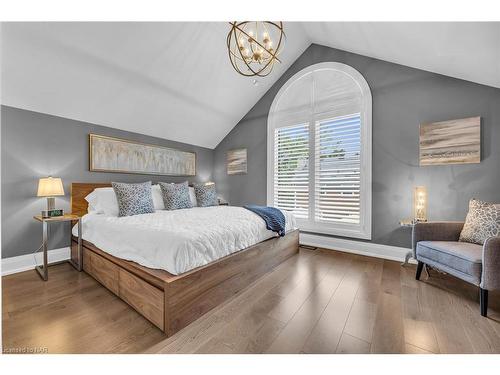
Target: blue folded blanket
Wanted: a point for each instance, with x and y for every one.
(274, 218)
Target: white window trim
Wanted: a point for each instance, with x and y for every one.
(363, 230)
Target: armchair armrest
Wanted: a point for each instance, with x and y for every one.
(490, 277)
(435, 231)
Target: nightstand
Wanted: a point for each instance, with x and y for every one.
(77, 263)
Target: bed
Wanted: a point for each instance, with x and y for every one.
(206, 271)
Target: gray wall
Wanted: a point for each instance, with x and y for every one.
(35, 145)
(403, 98)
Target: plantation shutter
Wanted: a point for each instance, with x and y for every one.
(319, 150)
(337, 170)
(291, 169)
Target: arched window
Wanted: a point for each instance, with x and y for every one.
(319, 150)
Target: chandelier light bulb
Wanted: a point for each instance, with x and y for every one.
(257, 55)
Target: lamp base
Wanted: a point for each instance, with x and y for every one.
(52, 213)
(51, 203)
(419, 220)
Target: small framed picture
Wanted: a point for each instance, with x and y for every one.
(237, 161)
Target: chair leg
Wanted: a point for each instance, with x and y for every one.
(483, 301)
(420, 267)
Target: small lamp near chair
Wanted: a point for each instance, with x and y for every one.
(50, 187)
(420, 204)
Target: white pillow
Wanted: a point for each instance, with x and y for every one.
(192, 197)
(92, 202)
(157, 197)
(103, 201)
(91, 209)
(92, 199)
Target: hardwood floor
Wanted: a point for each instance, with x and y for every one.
(316, 302)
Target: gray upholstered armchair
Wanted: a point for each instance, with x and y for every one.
(436, 244)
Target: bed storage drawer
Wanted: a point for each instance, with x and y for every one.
(87, 266)
(102, 270)
(148, 300)
(142, 296)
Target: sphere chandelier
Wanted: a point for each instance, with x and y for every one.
(254, 46)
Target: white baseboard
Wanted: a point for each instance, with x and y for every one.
(355, 247)
(27, 262)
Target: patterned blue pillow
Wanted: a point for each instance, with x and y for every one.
(134, 199)
(206, 195)
(175, 196)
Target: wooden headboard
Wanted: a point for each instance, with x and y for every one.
(79, 190)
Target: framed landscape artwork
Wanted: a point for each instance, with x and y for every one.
(451, 142)
(237, 161)
(119, 155)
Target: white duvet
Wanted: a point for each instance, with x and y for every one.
(180, 240)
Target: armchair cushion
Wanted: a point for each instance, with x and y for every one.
(436, 231)
(482, 222)
(461, 259)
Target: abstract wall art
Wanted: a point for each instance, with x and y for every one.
(451, 142)
(237, 161)
(119, 155)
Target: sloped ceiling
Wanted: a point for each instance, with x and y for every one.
(174, 80)
(465, 50)
(169, 80)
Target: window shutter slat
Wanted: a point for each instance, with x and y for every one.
(337, 170)
(291, 169)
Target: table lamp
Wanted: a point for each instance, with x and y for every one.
(50, 187)
(420, 204)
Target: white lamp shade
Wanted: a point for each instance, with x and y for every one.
(50, 187)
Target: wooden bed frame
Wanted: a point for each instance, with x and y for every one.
(172, 302)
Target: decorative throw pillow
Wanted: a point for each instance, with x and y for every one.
(205, 195)
(133, 199)
(175, 196)
(482, 221)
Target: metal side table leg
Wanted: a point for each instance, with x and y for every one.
(408, 256)
(43, 270)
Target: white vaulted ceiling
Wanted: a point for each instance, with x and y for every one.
(174, 80)
(169, 80)
(465, 50)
